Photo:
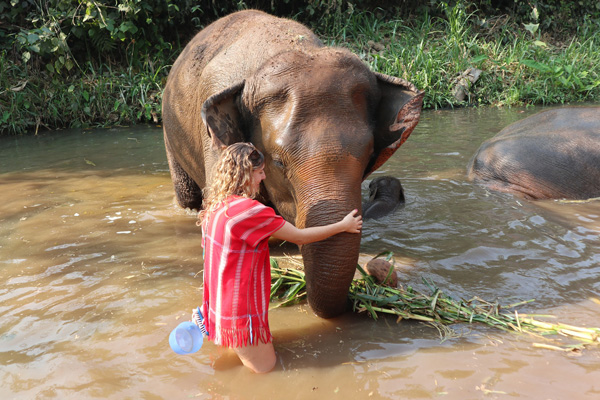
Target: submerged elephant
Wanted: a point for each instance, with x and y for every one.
(385, 195)
(554, 154)
(323, 120)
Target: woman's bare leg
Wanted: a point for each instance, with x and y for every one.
(259, 359)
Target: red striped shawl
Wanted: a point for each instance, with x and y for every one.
(237, 277)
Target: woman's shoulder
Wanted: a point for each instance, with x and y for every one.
(241, 201)
(238, 204)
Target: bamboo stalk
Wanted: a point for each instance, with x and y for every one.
(436, 308)
(551, 347)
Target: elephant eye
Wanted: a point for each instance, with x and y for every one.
(278, 164)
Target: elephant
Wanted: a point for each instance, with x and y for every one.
(553, 154)
(323, 120)
(385, 195)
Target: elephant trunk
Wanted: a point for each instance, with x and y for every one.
(330, 264)
(330, 267)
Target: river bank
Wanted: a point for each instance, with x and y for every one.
(458, 59)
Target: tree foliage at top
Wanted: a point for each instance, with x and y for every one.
(60, 34)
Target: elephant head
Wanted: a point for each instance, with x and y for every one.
(324, 122)
(385, 195)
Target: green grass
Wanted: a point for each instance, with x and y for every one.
(518, 68)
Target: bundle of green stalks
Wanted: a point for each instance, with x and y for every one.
(435, 308)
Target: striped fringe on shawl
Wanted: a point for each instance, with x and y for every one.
(242, 337)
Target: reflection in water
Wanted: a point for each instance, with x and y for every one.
(98, 265)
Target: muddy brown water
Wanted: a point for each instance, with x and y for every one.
(98, 265)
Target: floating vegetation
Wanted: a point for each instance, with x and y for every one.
(435, 308)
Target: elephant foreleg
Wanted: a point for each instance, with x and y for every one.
(187, 192)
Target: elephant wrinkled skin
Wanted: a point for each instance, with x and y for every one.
(554, 154)
(322, 119)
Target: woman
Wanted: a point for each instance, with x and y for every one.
(235, 233)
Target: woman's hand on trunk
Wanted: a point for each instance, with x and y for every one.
(352, 222)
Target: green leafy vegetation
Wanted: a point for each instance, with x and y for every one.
(70, 63)
(98, 97)
(437, 309)
(517, 66)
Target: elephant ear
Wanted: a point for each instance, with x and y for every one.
(222, 117)
(397, 115)
(373, 190)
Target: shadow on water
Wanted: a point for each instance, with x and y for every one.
(98, 265)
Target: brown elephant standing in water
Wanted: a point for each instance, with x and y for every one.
(554, 154)
(322, 119)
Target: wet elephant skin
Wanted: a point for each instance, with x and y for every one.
(554, 154)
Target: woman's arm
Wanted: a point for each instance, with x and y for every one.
(289, 232)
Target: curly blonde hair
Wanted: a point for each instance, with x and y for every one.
(232, 175)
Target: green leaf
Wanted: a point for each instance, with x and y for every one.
(532, 28)
(77, 31)
(50, 67)
(128, 26)
(479, 59)
(86, 95)
(536, 65)
(110, 25)
(591, 87)
(32, 38)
